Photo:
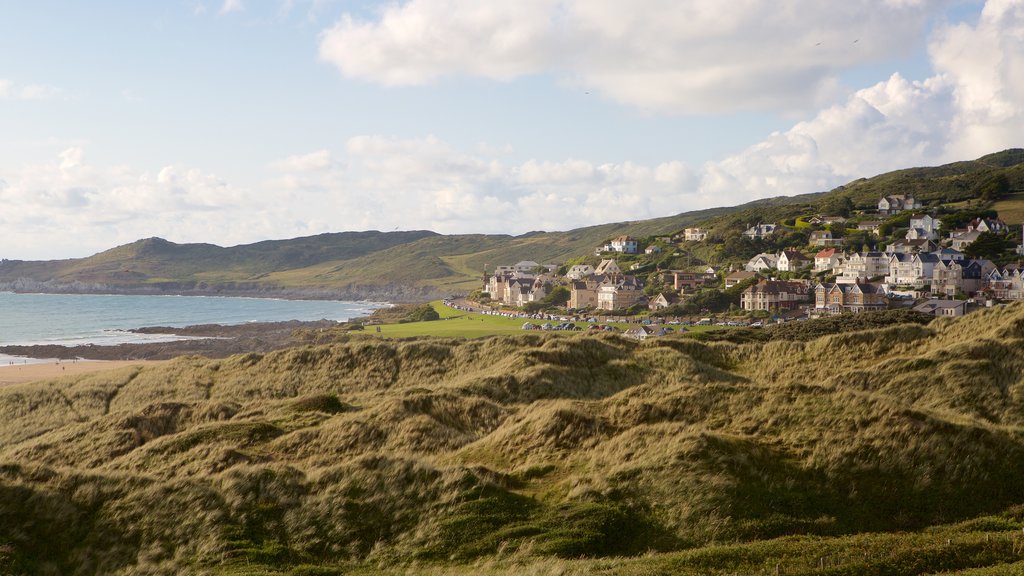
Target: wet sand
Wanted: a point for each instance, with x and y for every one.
(19, 373)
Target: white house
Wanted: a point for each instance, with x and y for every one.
(625, 245)
(791, 261)
(695, 234)
(580, 271)
(827, 260)
(897, 203)
(761, 262)
(911, 269)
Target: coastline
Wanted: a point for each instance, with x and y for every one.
(371, 294)
(22, 373)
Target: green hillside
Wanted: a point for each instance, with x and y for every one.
(890, 451)
(418, 264)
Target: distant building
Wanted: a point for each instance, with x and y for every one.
(760, 231)
(695, 234)
(889, 205)
(774, 295)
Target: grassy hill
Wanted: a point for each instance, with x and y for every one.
(419, 264)
(889, 451)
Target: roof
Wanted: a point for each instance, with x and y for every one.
(826, 253)
(933, 305)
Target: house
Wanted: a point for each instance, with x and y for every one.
(948, 254)
(871, 226)
(774, 295)
(526, 266)
(695, 234)
(964, 276)
(1006, 284)
(625, 245)
(653, 249)
(943, 307)
(889, 205)
(827, 260)
(824, 238)
(738, 277)
(852, 298)
(905, 246)
(663, 300)
(791, 261)
(580, 271)
(643, 332)
(964, 239)
(923, 226)
(863, 265)
(826, 220)
(681, 280)
(583, 293)
(911, 270)
(608, 268)
(760, 231)
(617, 293)
(987, 225)
(761, 262)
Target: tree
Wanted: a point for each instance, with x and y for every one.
(424, 313)
(990, 246)
(559, 296)
(993, 188)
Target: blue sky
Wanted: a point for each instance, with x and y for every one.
(235, 121)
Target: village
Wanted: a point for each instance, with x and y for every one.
(900, 256)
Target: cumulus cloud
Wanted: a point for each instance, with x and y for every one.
(974, 105)
(691, 56)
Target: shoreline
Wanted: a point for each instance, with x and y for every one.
(24, 373)
(370, 294)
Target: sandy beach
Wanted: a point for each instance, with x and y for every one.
(17, 374)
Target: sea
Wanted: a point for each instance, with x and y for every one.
(75, 319)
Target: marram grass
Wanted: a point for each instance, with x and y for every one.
(894, 450)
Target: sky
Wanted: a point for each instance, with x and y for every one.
(234, 121)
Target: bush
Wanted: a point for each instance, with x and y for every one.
(424, 313)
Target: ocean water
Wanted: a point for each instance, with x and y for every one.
(99, 319)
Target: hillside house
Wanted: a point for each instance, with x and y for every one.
(904, 246)
(987, 225)
(1006, 284)
(852, 298)
(826, 220)
(580, 271)
(791, 261)
(761, 262)
(643, 332)
(695, 234)
(872, 226)
(608, 268)
(625, 245)
(962, 240)
(760, 231)
(827, 260)
(889, 205)
(824, 238)
(738, 277)
(663, 300)
(774, 295)
(690, 280)
(924, 226)
(652, 249)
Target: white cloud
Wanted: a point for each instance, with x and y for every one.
(974, 105)
(11, 90)
(682, 56)
(230, 6)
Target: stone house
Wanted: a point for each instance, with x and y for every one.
(774, 295)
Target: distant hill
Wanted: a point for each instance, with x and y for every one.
(445, 456)
(420, 264)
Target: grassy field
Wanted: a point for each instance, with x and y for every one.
(1011, 209)
(462, 324)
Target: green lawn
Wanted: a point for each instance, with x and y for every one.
(462, 324)
(1011, 209)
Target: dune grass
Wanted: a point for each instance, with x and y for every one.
(894, 450)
